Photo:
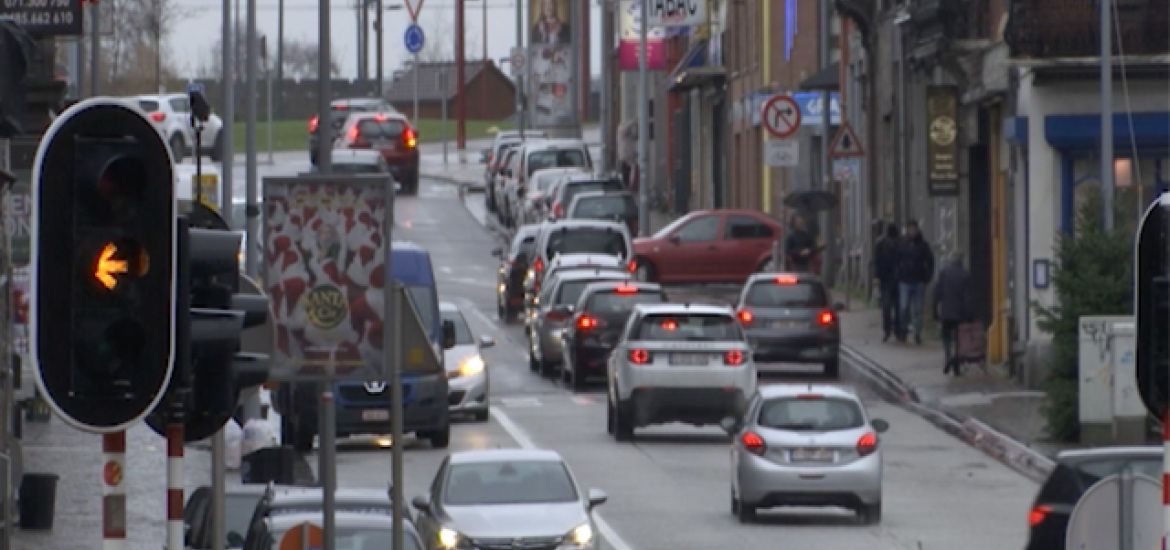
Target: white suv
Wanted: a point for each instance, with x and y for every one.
(171, 115)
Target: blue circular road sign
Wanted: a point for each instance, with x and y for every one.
(414, 38)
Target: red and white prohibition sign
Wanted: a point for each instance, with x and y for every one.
(781, 116)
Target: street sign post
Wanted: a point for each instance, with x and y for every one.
(780, 116)
(414, 39)
(845, 144)
(781, 152)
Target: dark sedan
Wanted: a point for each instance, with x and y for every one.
(599, 318)
(788, 317)
(512, 271)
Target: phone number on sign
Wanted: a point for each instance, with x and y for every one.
(40, 18)
(36, 4)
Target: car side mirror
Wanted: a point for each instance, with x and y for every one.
(879, 425)
(448, 334)
(730, 424)
(235, 540)
(838, 306)
(486, 341)
(498, 253)
(674, 239)
(422, 503)
(597, 497)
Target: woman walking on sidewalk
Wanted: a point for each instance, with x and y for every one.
(952, 307)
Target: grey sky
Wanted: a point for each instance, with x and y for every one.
(191, 41)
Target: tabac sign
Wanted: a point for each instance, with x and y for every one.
(942, 146)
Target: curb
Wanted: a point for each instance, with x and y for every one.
(1016, 455)
(470, 186)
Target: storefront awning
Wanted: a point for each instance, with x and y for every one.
(827, 78)
(692, 71)
(1071, 132)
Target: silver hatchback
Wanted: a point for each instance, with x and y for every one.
(806, 445)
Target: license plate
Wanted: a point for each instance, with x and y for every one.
(812, 455)
(785, 323)
(689, 359)
(375, 415)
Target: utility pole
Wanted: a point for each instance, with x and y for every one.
(1107, 112)
(460, 88)
(324, 126)
(485, 56)
(251, 256)
(606, 94)
(520, 70)
(94, 48)
(363, 45)
(378, 55)
(280, 54)
(643, 120)
(227, 160)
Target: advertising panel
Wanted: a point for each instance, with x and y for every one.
(678, 13)
(630, 41)
(942, 146)
(551, 64)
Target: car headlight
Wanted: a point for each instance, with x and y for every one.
(582, 535)
(471, 366)
(449, 538)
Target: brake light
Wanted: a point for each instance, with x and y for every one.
(587, 322)
(1038, 514)
(313, 125)
(538, 265)
(380, 117)
(670, 325)
(626, 289)
(639, 356)
(158, 116)
(826, 318)
(867, 444)
(409, 138)
(354, 134)
(786, 280)
(558, 210)
(734, 358)
(632, 266)
(745, 317)
(753, 443)
(556, 315)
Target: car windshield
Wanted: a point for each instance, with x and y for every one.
(606, 207)
(462, 332)
(555, 158)
(687, 328)
(773, 294)
(613, 301)
(348, 538)
(238, 513)
(817, 414)
(512, 482)
(372, 128)
(584, 240)
(571, 291)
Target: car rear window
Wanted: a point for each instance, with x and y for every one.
(562, 158)
(815, 414)
(525, 247)
(609, 207)
(1070, 479)
(372, 128)
(572, 189)
(355, 168)
(570, 291)
(584, 240)
(773, 294)
(148, 105)
(612, 301)
(687, 328)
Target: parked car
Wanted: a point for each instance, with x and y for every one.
(678, 363)
(552, 310)
(507, 498)
(352, 530)
(281, 501)
(571, 185)
(788, 317)
(598, 319)
(1076, 471)
(239, 503)
(493, 160)
(512, 272)
(708, 246)
(615, 206)
(390, 134)
(579, 237)
(552, 153)
(565, 262)
(530, 202)
(339, 110)
(795, 433)
(503, 181)
(171, 115)
(468, 381)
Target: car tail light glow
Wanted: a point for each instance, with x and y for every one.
(867, 444)
(538, 265)
(558, 210)
(353, 135)
(313, 125)
(626, 289)
(639, 356)
(745, 316)
(670, 325)
(810, 397)
(826, 318)
(753, 443)
(786, 280)
(587, 322)
(734, 358)
(1038, 514)
(380, 117)
(557, 315)
(632, 266)
(409, 138)
(158, 116)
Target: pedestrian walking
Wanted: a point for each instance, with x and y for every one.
(952, 307)
(915, 269)
(885, 268)
(800, 246)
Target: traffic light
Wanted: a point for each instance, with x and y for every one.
(210, 319)
(1153, 306)
(103, 218)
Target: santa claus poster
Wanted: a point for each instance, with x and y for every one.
(323, 266)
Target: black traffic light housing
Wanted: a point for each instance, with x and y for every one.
(1153, 306)
(103, 259)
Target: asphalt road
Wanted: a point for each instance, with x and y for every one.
(670, 488)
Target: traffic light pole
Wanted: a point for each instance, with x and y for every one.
(175, 485)
(328, 465)
(114, 491)
(391, 364)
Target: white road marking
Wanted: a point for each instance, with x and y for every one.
(446, 269)
(521, 402)
(583, 400)
(615, 541)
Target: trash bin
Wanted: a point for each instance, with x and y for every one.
(38, 499)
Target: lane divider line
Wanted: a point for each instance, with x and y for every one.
(607, 531)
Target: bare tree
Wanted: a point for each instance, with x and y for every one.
(440, 39)
(300, 60)
(132, 52)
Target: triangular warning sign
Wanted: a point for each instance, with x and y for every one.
(845, 143)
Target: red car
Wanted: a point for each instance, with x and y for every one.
(390, 134)
(708, 246)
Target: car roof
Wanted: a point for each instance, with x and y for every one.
(676, 308)
(501, 455)
(577, 223)
(448, 306)
(1134, 451)
(584, 259)
(770, 391)
(598, 194)
(533, 228)
(554, 144)
(579, 178)
(579, 273)
(800, 277)
(611, 284)
(343, 519)
(388, 115)
(287, 496)
(503, 134)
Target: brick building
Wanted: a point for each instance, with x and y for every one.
(491, 95)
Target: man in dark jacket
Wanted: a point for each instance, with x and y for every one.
(952, 306)
(915, 269)
(800, 246)
(885, 270)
